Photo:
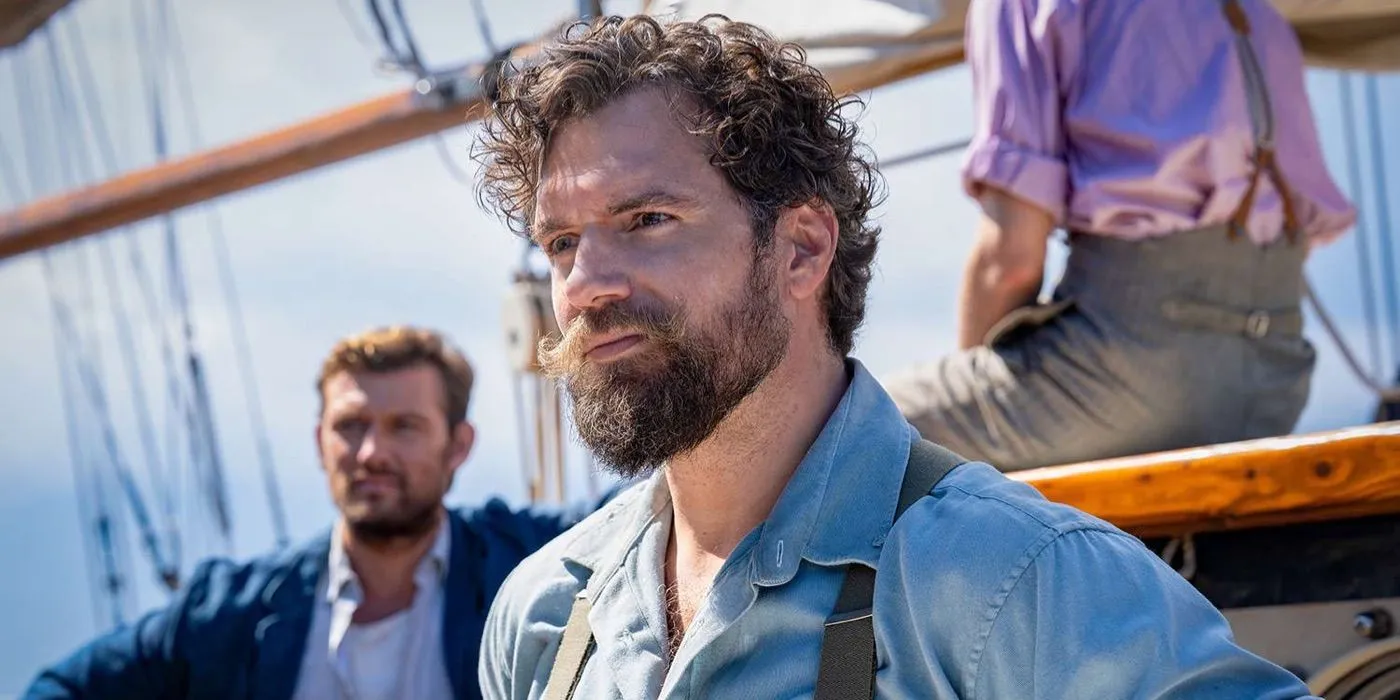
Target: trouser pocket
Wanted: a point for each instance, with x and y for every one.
(1023, 320)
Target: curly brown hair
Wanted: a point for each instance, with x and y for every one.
(401, 347)
(771, 123)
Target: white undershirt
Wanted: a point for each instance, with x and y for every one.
(400, 656)
(375, 654)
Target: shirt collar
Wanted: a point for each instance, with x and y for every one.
(594, 545)
(839, 504)
(341, 576)
(836, 509)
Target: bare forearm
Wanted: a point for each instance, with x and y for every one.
(990, 292)
(1006, 266)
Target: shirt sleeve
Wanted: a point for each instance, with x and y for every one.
(521, 631)
(1096, 614)
(135, 661)
(494, 671)
(1020, 53)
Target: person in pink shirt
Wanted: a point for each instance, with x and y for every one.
(1174, 144)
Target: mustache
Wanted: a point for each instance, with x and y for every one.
(363, 472)
(562, 355)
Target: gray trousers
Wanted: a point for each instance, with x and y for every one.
(1181, 341)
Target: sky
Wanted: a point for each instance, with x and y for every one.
(395, 237)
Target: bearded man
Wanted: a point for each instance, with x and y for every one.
(703, 202)
(389, 604)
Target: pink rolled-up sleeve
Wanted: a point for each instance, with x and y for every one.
(1020, 52)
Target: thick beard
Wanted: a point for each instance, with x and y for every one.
(638, 413)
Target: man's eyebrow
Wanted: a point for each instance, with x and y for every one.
(648, 199)
(544, 228)
(414, 415)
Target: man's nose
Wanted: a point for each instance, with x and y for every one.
(371, 450)
(598, 275)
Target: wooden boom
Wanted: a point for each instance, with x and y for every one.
(362, 128)
(354, 131)
(1347, 473)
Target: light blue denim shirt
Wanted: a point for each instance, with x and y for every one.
(984, 590)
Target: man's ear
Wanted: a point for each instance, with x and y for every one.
(807, 236)
(320, 451)
(462, 439)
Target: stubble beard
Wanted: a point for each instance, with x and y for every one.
(410, 518)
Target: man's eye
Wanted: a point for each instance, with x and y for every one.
(349, 425)
(648, 219)
(560, 245)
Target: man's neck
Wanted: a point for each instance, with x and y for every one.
(385, 569)
(729, 484)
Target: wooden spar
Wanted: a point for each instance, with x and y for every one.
(395, 119)
(1347, 473)
(347, 133)
(935, 55)
(362, 128)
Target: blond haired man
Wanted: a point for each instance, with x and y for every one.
(389, 603)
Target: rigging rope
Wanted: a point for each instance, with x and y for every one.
(347, 11)
(455, 171)
(211, 476)
(404, 57)
(1386, 393)
(408, 58)
(93, 509)
(115, 299)
(101, 532)
(176, 394)
(930, 152)
(1363, 254)
(1382, 219)
(483, 25)
(108, 584)
(87, 372)
(237, 322)
(411, 46)
(92, 107)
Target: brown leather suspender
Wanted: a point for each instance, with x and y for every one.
(1262, 121)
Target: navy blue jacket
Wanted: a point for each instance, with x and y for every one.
(238, 630)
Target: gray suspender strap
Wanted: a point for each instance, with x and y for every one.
(1261, 114)
(574, 650)
(847, 667)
